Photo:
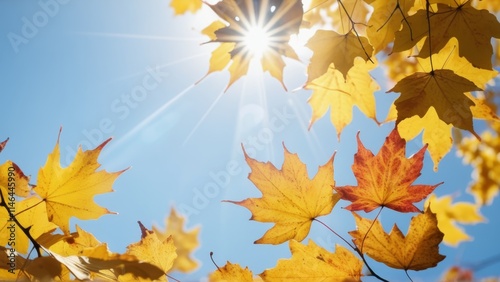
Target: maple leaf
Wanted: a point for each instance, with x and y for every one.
(473, 28)
(290, 199)
(153, 250)
(69, 191)
(340, 94)
(266, 24)
(329, 47)
(385, 20)
(447, 214)
(437, 133)
(10, 173)
(231, 272)
(313, 263)
(386, 179)
(418, 250)
(183, 6)
(30, 212)
(441, 89)
(185, 241)
(482, 155)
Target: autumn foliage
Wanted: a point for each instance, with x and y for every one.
(439, 58)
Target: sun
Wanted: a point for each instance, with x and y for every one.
(256, 41)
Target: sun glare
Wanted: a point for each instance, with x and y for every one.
(256, 41)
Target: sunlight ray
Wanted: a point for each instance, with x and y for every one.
(178, 61)
(114, 145)
(202, 119)
(141, 36)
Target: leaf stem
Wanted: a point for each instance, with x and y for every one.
(26, 231)
(427, 9)
(338, 235)
(408, 275)
(212, 258)
(370, 228)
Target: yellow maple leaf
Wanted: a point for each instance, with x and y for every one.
(30, 212)
(231, 272)
(11, 176)
(447, 214)
(483, 156)
(441, 89)
(313, 263)
(153, 250)
(183, 6)
(289, 198)
(69, 191)
(385, 20)
(386, 179)
(255, 29)
(418, 250)
(185, 241)
(340, 94)
(473, 28)
(330, 47)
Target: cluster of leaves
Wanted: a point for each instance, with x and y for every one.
(39, 215)
(430, 48)
(438, 55)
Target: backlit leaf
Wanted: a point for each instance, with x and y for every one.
(290, 199)
(385, 180)
(313, 263)
(418, 250)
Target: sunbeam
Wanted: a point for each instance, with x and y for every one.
(141, 36)
(115, 145)
(207, 112)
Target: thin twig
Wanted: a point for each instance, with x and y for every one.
(353, 23)
(26, 231)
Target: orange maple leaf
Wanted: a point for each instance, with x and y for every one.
(3, 143)
(69, 191)
(263, 25)
(313, 263)
(385, 180)
(290, 199)
(418, 250)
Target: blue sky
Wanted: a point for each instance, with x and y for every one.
(127, 70)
